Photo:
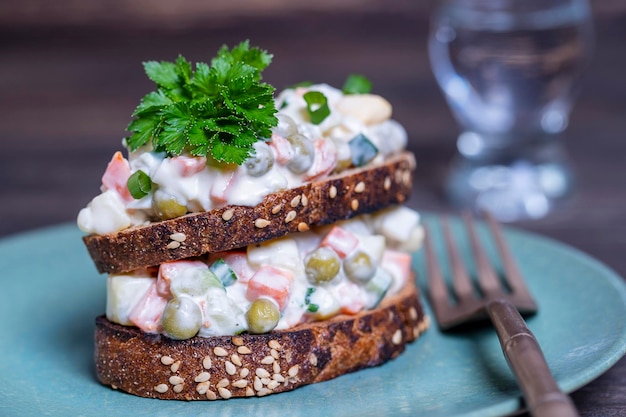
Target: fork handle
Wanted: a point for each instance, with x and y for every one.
(524, 356)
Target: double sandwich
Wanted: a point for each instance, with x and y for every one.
(253, 244)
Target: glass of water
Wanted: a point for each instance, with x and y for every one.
(509, 70)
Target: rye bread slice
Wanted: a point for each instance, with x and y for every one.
(255, 365)
(326, 201)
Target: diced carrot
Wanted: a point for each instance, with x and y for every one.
(341, 241)
(147, 313)
(282, 149)
(324, 161)
(169, 270)
(220, 187)
(189, 165)
(398, 264)
(350, 298)
(271, 282)
(116, 176)
(237, 260)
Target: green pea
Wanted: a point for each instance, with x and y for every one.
(303, 153)
(261, 161)
(262, 316)
(359, 267)
(322, 265)
(182, 318)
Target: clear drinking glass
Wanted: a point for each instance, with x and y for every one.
(510, 70)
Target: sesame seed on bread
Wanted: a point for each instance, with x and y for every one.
(152, 365)
(325, 201)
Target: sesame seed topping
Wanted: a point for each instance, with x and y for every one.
(387, 183)
(203, 387)
(244, 350)
(261, 373)
(210, 395)
(398, 176)
(268, 360)
(332, 192)
(257, 383)
(295, 201)
(276, 367)
(293, 371)
(244, 372)
(178, 388)
(406, 177)
(278, 377)
(263, 392)
(228, 214)
(303, 227)
(240, 383)
(234, 358)
(273, 384)
(220, 351)
(207, 362)
(313, 359)
(261, 223)
(178, 237)
(277, 208)
(397, 337)
(202, 377)
(230, 368)
(175, 366)
(224, 393)
(167, 360)
(354, 204)
(265, 381)
(224, 382)
(237, 341)
(173, 245)
(305, 200)
(161, 388)
(413, 313)
(274, 344)
(274, 353)
(249, 392)
(290, 216)
(360, 187)
(175, 380)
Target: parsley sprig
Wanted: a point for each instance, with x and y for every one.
(218, 110)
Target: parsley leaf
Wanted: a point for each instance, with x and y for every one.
(218, 110)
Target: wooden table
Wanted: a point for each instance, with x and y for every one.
(66, 95)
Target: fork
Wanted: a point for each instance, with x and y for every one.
(500, 304)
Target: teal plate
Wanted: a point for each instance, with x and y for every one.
(51, 293)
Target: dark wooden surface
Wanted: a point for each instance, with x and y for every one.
(66, 94)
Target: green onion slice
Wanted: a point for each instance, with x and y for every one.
(317, 106)
(357, 84)
(139, 184)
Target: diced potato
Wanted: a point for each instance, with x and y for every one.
(281, 253)
(123, 293)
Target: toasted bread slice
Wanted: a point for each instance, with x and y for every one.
(325, 201)
(255, 365)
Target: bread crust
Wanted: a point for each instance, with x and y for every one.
(326, 201)
(255, 365)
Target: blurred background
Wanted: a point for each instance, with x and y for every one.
(71, 75)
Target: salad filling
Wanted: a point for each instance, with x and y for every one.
(344, 268)
(237, 157)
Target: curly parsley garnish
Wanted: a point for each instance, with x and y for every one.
(219, 110)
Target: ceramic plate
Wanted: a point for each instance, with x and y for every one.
(51, 293)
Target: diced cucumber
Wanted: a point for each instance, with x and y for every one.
(224, 272)
(377, 287)
(362, 150)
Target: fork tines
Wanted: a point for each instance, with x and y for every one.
(466, 302)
